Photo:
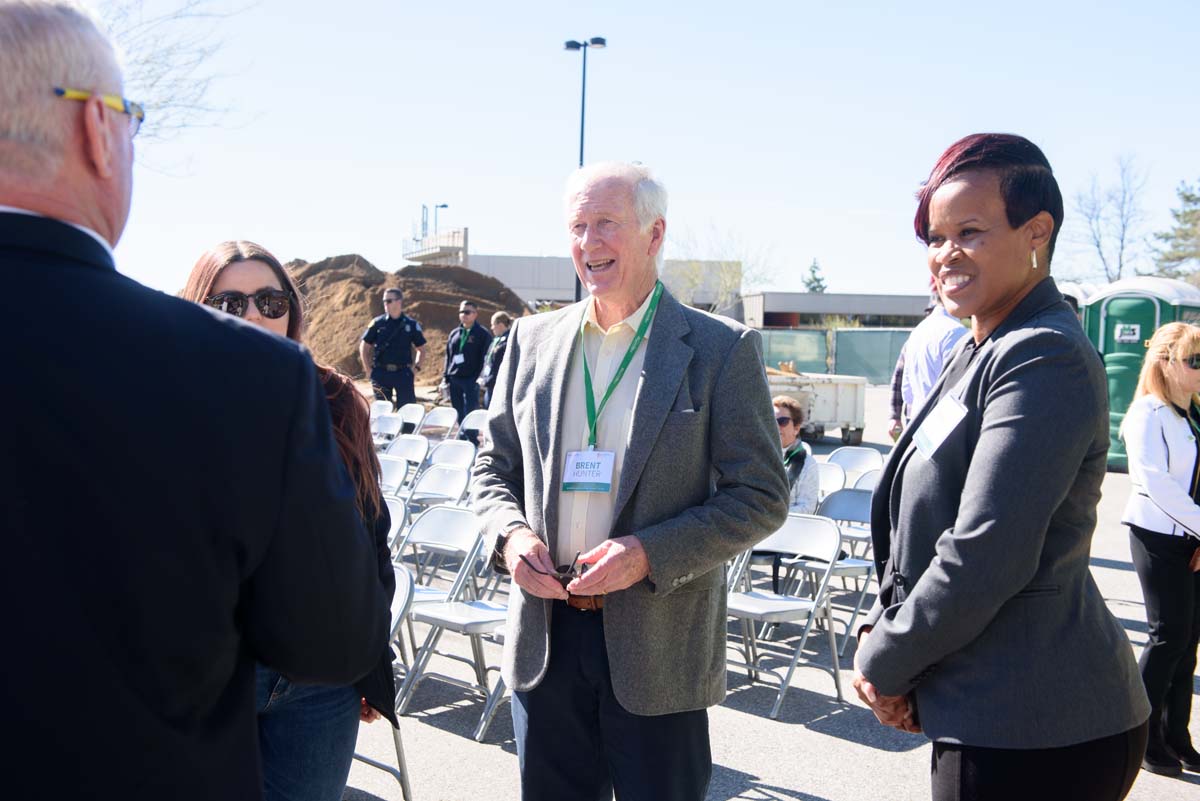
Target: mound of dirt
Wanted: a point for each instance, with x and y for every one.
(343, 294)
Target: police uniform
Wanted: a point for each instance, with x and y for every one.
(465, 349)
(392, 372)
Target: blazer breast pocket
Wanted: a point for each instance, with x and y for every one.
(686, 417)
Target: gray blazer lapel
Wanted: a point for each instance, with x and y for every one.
(666, 363)
(554, 360)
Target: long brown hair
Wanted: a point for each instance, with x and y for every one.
(347, 407)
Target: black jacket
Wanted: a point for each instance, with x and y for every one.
(473, 351)
(173, 509)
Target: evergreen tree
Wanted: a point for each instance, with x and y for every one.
(1180, 251)
(814, 282)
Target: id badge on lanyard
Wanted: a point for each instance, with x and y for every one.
(592, 470)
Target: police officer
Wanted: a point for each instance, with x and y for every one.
(387, 348)
(465, 350)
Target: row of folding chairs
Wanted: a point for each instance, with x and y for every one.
(440, 423)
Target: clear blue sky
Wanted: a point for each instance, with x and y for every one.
(798, 129)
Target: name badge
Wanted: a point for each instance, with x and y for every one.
(938, 425)
(588, 471)
(458, 359)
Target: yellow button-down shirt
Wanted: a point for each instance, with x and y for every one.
(586, 518)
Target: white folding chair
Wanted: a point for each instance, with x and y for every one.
(851, 510)
(868, 480)
(379, 407)
(384, 428)
(439, 484)
(401, 603)
(474, 423)
(856, 460)
(455, 532)
(831, 478)
(412, 414)
(398, 512)
(413, 447)
(393, 470)
(496, 696)
(800, 534)
(439, 422)
(453, 453)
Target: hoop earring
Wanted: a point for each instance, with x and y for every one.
(1033, 258)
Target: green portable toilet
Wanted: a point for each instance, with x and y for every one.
(1119, 320)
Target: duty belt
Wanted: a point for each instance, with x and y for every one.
(391, 368)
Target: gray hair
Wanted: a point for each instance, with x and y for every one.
(649, 195)
(44, 44)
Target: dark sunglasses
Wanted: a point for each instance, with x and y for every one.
(563, 574)
(271, 303)
(1193, 361)
(466, 311)
(782, 421)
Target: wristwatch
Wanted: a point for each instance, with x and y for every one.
(502, 542)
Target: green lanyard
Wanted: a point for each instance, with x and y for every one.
(787, 462)
(593, 411)
(462, 342)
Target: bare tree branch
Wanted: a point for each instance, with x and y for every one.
(1113, 218)
(168, 54)
(717, 264)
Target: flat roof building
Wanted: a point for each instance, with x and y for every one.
(796, 309)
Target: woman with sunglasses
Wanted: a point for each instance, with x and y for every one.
(1161, 433)
(306, 732)
(802, 471)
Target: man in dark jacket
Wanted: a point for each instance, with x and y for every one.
(171, 499)
(466, 347)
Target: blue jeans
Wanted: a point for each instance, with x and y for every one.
(306, 735)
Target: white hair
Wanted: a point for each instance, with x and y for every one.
(44, 44)
(649, 195)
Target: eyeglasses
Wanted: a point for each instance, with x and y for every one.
(1193, 361)
(782, 421)
(563, 574)
(136, 113)
(271, 303)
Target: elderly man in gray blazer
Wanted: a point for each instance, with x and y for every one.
(638, 433)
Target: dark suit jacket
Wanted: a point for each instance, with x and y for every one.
(173, 509)
(987, 610)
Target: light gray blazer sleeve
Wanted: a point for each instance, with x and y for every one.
(498, 486)
(1033, 438)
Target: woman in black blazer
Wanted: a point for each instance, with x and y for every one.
(306, 732)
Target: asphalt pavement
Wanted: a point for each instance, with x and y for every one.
(819, 749)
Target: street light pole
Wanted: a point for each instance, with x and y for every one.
(435, 216)
(597, 42)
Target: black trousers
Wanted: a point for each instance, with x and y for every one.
(1172, 595)
(395, 386)
(1098, 770)
(575, 742)
(464, 395)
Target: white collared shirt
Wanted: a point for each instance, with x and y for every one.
(585, 518)
(103, 242)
